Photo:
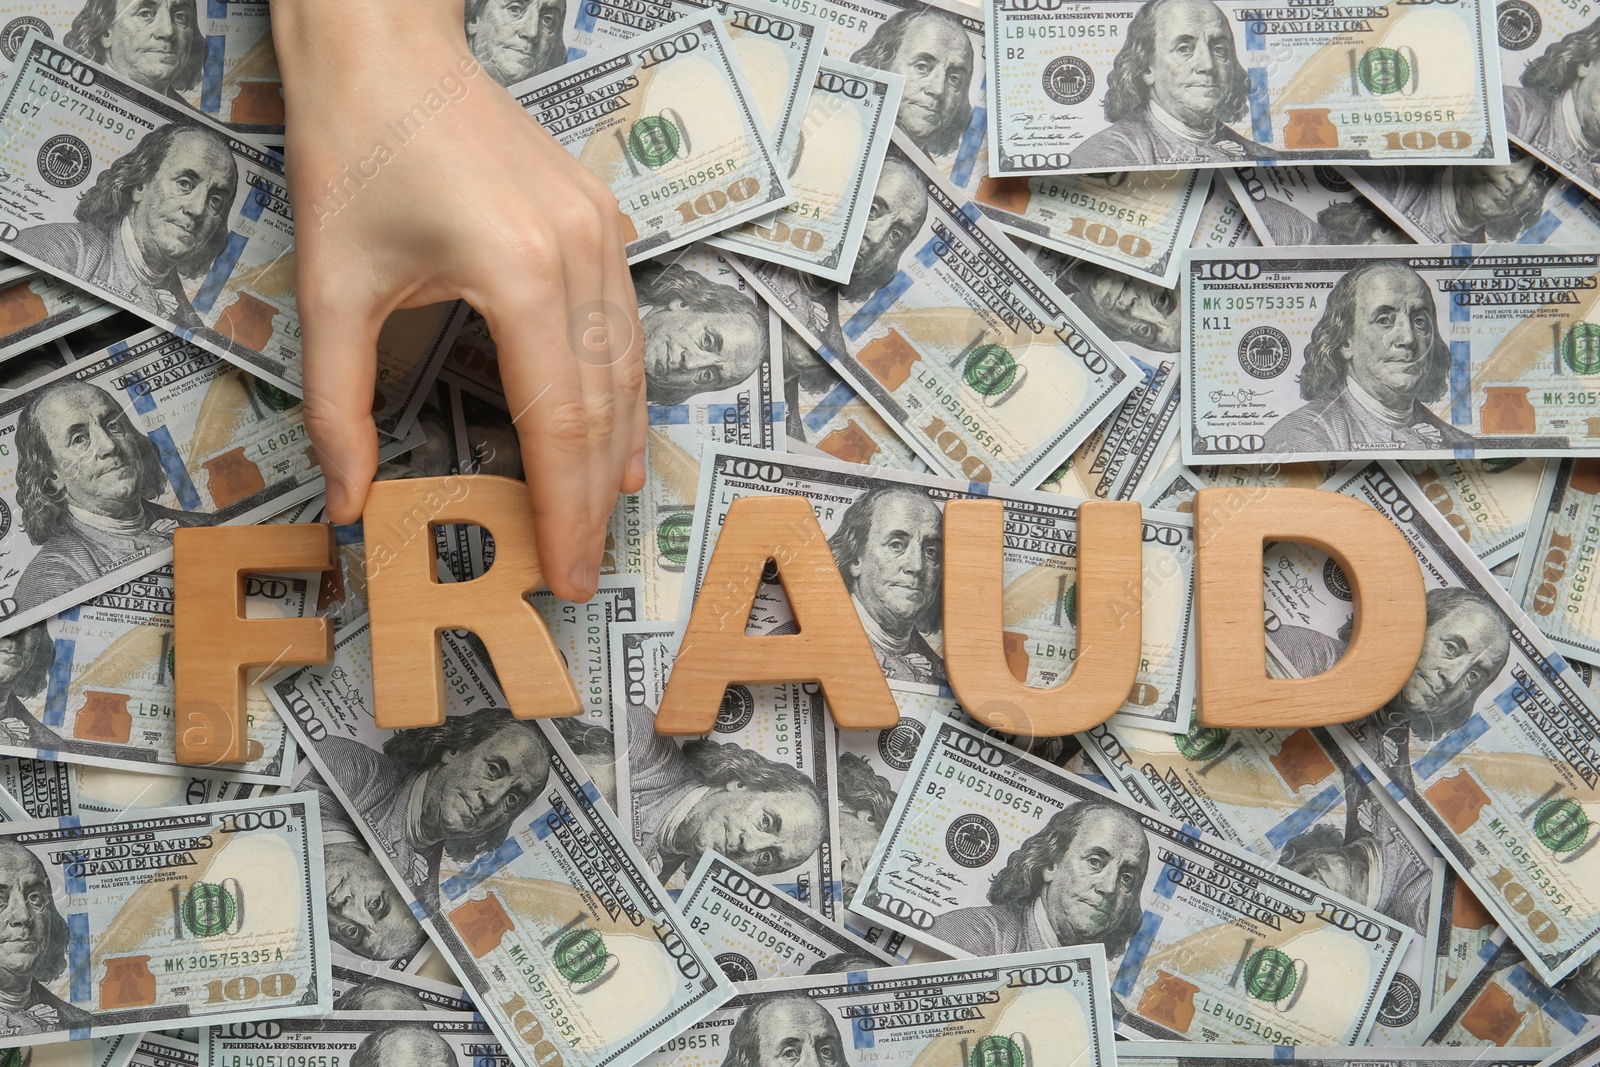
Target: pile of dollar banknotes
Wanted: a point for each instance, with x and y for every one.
(887, 254)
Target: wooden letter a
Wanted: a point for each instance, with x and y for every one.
(1110, 621)
(1231, 525)
(213, 642)
(410, 608)
(831, 648)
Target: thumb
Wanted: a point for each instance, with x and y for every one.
(340, 346)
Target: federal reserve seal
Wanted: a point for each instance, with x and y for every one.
(1402, 1003)
(1068, 80)
(1264, 352)
(1334, 579)
(897, 745)
(1518, 24)
(738, 707)
(11, 37)
(64, 161)
(737, 967)
(1331, 180)
(972, 841)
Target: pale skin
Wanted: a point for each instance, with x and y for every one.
(524, 233)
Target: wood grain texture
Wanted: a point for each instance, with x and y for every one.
(1231, 526)
(410, 608)
(831, 648)
(1110, 607)
(214, 644)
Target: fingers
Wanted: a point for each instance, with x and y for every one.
(340, 346)
(627, 363)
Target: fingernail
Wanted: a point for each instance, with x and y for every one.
(336, 497)
(585, 578)
(636, 467)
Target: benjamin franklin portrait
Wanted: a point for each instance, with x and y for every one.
(699, 336)
(33, 948)
(154, 217)
(1075, 882)
(25, 660)
(86, 479)
(785, 1030)
(1173, 90)
(763, 815)
(1374, 359)
(933, 51)
(517, 39)
(1469, 205)
(1556, 109)
(403, 1045)
(449, 790)
(865, 800)
(157, 43)
(1131, 311)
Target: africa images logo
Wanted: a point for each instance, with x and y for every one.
(64, 161)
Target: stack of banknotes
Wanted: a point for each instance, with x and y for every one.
(887, 254)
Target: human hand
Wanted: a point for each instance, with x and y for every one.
(416, 179)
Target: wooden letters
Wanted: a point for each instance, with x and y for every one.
(213, 643)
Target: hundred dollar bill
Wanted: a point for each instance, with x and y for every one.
(1490, 745)
(1582, 1052)
(1462, 927)
(42, 309)
(362, 986)
(667, 122)
(1206, 942)
(1432, 353)
(208, 255)
(95, 684)
(757, 934)
(1175, 489)
(825, 416)
(411, 350)
(1311, 206)
(1142, 318)
(162, 1050)
(116, 450)
(897, 579)
(218, 59)
(1525, 202)
(1294, 798)
(1501, 1002)
(1022, 1008)
(517, 869)
(1545, 111)
(955, 338)
(380, 1038)
(1275, 86)
(1555, 570)
(1223, 223)
(833, 171)
(200, 914)
(760, 787)
(1165, 1054)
